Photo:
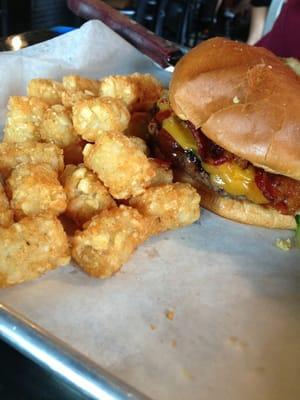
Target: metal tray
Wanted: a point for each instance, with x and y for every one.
(235, 296)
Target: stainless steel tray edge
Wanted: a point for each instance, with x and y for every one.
(56, 356)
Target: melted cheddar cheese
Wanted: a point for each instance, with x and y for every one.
(180, 133)
(228, 176)
(235, 180)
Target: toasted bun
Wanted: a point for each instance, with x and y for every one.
(245, 99)
(238, 210)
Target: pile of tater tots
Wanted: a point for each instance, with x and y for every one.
(77, 178)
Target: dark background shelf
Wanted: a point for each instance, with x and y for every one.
(183, 21)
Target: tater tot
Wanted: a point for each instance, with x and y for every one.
(94, 117)
(77, 88)
(108, 240)
(174, 205)
(6, 214)
(86, 195)
(23, 119)
(141, 144)
(150, 90)
(57, 127)
(120, 165)
(76, 83)
(12, 154)
(138, 91)
(48, 90)
(30, 248)
(35, 189)
(163, 174)
(70, 98)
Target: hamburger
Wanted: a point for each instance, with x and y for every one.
(231, 127)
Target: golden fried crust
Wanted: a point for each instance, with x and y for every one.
(76, 83)
(86, 195)
(23, 119)
(149, 89)
(30, 248)
(95, 117)
(57, 127)
(77, 88)
(35, 189)
(47, 90)
(174, 205)
(6, 214)
(139, 91)
(108, 241)
(69, 98)
(12, 154)
(163, 174)
(119, 164)
(141, 144)
(242, 211)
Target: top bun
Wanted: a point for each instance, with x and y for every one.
(245, 99)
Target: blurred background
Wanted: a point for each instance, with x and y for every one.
(185, 22)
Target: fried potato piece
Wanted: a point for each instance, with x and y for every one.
(141, 144)
(139, 91)
(30, 248)
(86, 195)
(95, 117)
(70, 98)
(174, 205)
(163, 174)
(35, 189)
(77, 88)
(23, 119)
(57, 127)
(6, 214)
(108, 240)
(120, 165)
(12, 154)
(48, 90)
(76, 83)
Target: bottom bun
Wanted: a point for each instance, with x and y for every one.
(238, 210)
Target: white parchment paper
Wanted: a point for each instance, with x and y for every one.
(235, 297)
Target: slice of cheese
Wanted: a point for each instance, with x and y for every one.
(228, 176)
(180, 133)
(236, 180)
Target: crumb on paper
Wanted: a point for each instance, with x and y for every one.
(260, 370)
(236, 342)
(283, 244)
(187, 374)
(170, 314)
(152, 327)
(174, 343)
(152, 253)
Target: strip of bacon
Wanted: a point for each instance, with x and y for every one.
(282, 192)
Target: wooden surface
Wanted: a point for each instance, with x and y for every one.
(160, 50)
